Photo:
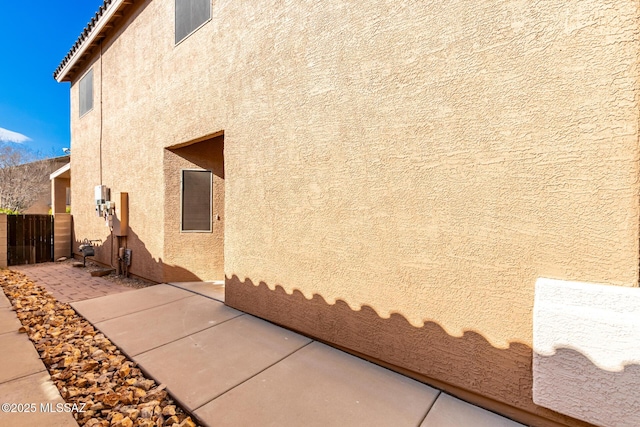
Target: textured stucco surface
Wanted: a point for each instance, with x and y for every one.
(58, 194)
(189, 255)
(413, 163)
(586, 353)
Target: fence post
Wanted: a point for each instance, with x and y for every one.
(62, 230)
(3, 241)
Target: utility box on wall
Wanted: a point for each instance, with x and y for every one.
(101, 194)
(121, 218)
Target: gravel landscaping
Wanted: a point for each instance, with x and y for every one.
(87, 368)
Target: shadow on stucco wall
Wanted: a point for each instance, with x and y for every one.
(206, 154)
(201, 252)
(468, 366)
(143, 264)
(608, 398)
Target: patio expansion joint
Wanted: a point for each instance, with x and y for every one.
(127, 314)
(9, 309)
(181, 338)
(253, 376)
(429, 408)
(8, 332)
(44, 369)
(193, 292)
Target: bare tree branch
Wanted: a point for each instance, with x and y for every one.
(22, 177)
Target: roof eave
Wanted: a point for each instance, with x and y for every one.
(63, 170)
(95, 36)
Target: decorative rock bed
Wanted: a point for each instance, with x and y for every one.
(86, 367)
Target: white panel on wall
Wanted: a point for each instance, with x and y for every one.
(586, 351)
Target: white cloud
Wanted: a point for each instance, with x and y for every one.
(10, 136)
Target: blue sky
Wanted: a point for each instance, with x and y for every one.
(34, 37)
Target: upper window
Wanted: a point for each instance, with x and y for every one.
(190, 15)
(196, 200)
(86, 92)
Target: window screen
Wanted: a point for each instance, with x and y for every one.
(190, 14)
(86, 92)
(196, 200)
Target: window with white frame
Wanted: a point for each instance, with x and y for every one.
(86, 93)
(190, 15)
(196, 200)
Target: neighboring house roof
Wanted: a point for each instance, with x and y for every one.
(95, 31)
(49, 160)
(27, 184)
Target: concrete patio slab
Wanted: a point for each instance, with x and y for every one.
(246, 371)
(112, 306)
(18, 357)
(213, 290)
(4, 301)
(451, 412)
(321, 386)
(142, 331)
(35, 389)
(219, 358)
(8, 321)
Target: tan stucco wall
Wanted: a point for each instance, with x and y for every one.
(412, 167)
(194, 255)
(58, 194)
(41, 206)
(129, 161)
